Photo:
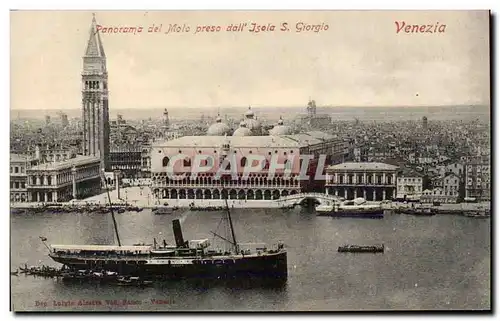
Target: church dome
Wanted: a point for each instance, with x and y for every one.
(219, 128)
(242, 130)
(252, 124)
(249, 112)
(280, 129)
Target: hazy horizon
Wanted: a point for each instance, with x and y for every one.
(267, 114)
(258, 107)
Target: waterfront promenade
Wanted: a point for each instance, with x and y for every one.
(141, 196)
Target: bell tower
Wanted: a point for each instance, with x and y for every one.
(95, 110)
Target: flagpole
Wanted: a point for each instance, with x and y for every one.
(43, 241)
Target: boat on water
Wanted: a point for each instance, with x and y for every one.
(351, 208)
(477, 214)
(163, 210)
(417, 211)
(133, 280)
(185, 259)
(362, 248)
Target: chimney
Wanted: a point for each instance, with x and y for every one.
(179, 239)
(37, 152)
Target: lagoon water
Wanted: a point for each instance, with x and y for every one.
(437, 262)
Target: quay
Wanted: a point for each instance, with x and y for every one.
(141, 197)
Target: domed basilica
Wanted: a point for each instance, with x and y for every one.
(249, 126)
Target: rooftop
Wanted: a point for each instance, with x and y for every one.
(303, 139)
(54, 166)
(17, 158)
(409, 172)
(363, 166)
(321, 135)
(234, 141)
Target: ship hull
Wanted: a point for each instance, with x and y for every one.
(354, 213)
(270, 265)
(361, 249)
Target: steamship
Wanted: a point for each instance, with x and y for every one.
(185, 259)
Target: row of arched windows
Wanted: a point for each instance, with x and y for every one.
(208, 162)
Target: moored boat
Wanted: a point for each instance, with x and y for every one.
(418, 211)
(355, 208)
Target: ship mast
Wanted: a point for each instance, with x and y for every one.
(112, 213)
(231, 226)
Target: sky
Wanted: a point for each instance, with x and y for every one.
(361, 60)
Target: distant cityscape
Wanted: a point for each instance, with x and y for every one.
(422, 154)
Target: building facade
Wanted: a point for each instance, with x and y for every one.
(128, 160)
(75, 178)
(257, 185)
(95, 110)
(451, 186)
(47, 154)
(19, 164)
(409, 185)
(372, 181)
(456, 168)
(437, 195)
(478, 179)
(237, 151)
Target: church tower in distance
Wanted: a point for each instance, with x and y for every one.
(95, 110)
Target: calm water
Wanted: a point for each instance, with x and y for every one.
(438, 262)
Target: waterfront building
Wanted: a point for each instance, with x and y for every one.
(372, 181)
(445, 190)
(478, 178)
(19, 164)
(207, 185)
(409, 185)
(76, 178)
(95, 110)
(451, 186)
(437, 195)
(283, 150)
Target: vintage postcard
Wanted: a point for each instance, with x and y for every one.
(250, 161)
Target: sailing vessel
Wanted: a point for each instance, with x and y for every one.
(185, 259)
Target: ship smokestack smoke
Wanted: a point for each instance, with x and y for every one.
(179, 239)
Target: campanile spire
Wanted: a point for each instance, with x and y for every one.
(94, 44)
(95, 111)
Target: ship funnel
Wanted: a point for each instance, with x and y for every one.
(179, 239)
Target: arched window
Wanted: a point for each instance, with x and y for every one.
(243, 162)
(187, 162)
(266, 164)
(165, 161)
